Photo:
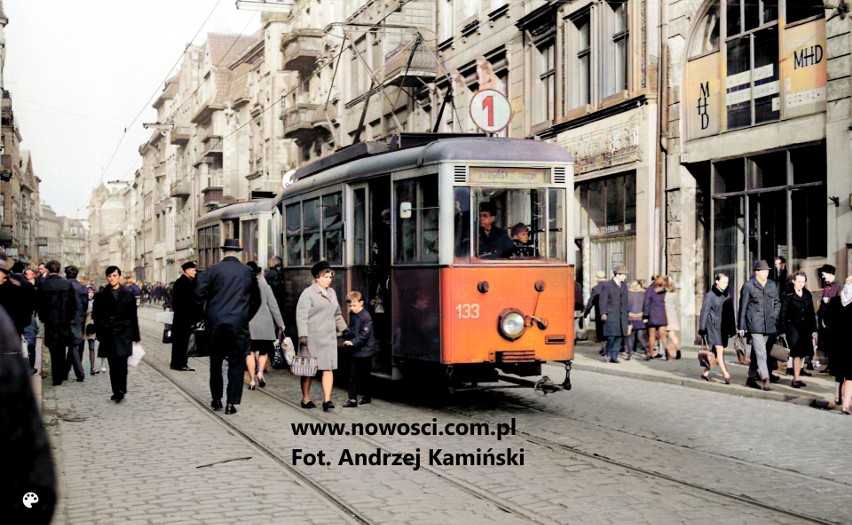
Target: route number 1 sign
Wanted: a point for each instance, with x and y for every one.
(490, 110)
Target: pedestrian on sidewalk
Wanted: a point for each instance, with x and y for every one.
(363, 347)
(264, 327)
(758, 316)
(798, 324)
(117, 328)
(654, 317)
(614, 312)
(840, 315)
(594, 304)
(672, 316)
(89, 331)
(637, 334)
(230, 296)
(57, 306)
(827, 337)
(186, 315)
(717, 323)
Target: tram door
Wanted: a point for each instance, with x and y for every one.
(379, 270)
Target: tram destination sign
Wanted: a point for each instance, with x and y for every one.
(508, 175)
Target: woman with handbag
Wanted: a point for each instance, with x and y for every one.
(116, 327)
(318, 319)
(798, 323)
(716, 324)
(263, 327)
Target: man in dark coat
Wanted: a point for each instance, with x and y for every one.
(230, 296)
(614, 312)
(81, 299)
(758, 315)
(57, 306)
(494, 242)
(186, 314)
(116, 327)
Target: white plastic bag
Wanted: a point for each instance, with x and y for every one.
(138, 353)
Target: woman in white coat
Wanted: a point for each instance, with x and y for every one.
(264, 328)
(318, 320)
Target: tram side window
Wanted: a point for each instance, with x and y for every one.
(461, 224)
(293, 216)
(332, 228)
(556, 223)
(249, 240)
(417, 220)
(511, 223)
(311, 231)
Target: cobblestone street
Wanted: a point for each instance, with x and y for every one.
(614, 449)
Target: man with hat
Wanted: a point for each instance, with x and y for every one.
(830, 290)
(614, 312)
(230, 296)
(758, 315)
(186, 314)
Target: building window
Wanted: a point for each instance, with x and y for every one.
(706, 39)
(544, 83)
(445, 25)
(803, 10)
(580, 67)
(615, 65)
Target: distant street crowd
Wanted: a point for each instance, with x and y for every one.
(776, 314)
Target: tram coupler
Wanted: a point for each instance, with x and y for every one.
(546, 386)
(566, 384)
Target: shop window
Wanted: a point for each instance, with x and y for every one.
(799, 10)
(809, 223)
(607, 220)
(767, 171)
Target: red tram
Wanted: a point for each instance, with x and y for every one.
(405, 222)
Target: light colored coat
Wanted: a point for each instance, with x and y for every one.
(318, 318)
(268, 317)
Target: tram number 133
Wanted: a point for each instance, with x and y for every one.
(468, 311)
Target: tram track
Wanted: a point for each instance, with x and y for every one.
(331, 497)
(554, 445)
(501, 503)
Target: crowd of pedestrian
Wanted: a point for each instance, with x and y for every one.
(776, 313)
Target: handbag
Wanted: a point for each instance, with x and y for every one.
(739, 346)
(197, 344)
(780, 351)
(167, 335)
(304, 365)
(706, 356)
(136, 356)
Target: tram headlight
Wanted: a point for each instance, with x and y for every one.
(510, 323)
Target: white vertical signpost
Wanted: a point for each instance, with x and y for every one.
(490, 110)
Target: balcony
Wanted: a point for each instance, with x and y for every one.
(301, 50)
(212, 195)
(180, 189)
(422, 68)
(301, 122)
(180, 135)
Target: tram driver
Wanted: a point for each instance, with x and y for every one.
(494, 242)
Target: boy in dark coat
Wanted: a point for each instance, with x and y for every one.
(363, 345)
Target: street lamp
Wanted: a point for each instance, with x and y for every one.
(271, 6)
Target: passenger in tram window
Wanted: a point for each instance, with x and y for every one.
(522, 244)
(494, 242)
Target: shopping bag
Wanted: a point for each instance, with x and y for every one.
(136, 357)
(304, 365)
(197, 345)
(779, 350)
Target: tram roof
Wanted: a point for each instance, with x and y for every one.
(237, 209)
(460, 149)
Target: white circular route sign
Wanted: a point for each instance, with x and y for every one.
(490, 110)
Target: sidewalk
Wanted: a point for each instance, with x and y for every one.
(686, 372)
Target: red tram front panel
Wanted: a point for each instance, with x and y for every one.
(474, 298)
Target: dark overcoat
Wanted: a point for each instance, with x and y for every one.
(759, 307)
(230, 297)
(187, 311)
(717, 317)
(614, 304)
(81, 297)
(798, 322)
(57, 306)
(364, 339)
(116, 323)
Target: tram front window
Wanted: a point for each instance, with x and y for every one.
(513, 224)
